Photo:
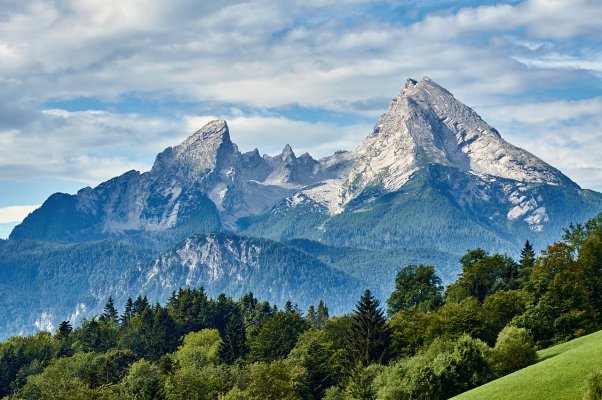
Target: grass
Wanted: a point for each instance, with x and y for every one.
(560, 374)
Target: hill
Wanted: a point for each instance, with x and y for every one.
(560, 375)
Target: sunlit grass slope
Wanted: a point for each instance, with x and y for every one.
(559, 375)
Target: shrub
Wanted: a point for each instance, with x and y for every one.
(514, 350)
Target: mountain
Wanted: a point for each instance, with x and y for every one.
(226, 263)
(431, 181)
(433, 174)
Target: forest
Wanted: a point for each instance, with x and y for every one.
(424, 342)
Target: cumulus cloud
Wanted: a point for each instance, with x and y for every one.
(267, 58)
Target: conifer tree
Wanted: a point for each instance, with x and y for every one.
(140, 304)
(64, 330)
(234, 343)
(322, 316)
(369, 336)
(128, 312)
(110, 312)
(311, 316)
(319, 372)
(527, 261)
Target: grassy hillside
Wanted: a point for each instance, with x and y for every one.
(559, 375)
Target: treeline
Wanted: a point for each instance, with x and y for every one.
(427, 344)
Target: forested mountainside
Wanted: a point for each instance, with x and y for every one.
(432, 180)
(431, 343)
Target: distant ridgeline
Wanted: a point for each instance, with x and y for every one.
(431, 181)
(434, 344)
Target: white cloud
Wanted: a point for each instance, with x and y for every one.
(263, 55)
(15, 213)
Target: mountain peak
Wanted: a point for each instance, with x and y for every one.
(287, 153)
(216, 130)
(425, 124)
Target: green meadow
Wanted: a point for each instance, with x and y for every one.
(560, 374)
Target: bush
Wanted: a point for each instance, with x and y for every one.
(514, 350)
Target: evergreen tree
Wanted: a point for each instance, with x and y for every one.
(289, 308)
(128, 312)
(527, 261)
(63, 334)
(319, 375)
(312, 316)
(64, 330)
(140, 305)
(234, 343)
(91, 336)
(369, 336)
(110, 312)
(322, 316)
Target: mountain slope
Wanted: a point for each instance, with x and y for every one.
(224, 263)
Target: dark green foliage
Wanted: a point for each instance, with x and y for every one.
(319, 375)
(110, 312)
(416, 286)
(277, 336)
(322, 315)
(514, 350)
(369, 336)
(527, 261)
(483, 274)
(115, 366)
(234, 341)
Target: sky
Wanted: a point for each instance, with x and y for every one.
(91, 89)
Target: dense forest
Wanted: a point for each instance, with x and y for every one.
(424, 343)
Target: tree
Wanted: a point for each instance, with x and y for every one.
(63, 335)
(128, 312)
(143, 382)
(199, 349)
(110, 312)
(416, 286)
(369, 336)
(361, 384)
(527, 261)
(277, 336)
(319, 376)
(311, 316)
(140, 304)
(271, 381)
(513, 350)
(234, 343)
(483, 274)
(322, 315)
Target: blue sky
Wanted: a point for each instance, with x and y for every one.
(90, 89)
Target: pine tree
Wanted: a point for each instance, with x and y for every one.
(110, 312)
(527, 261)
(64, 330)
(234, 343)
(319, 375)
(322, 316)
(140, 304)
(128, 312)
(312, 317)
(369, 336)
(63, 334)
